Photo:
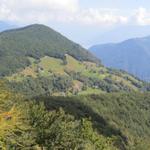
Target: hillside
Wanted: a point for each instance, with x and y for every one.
(132, 55)
(56, 95)
(54, 76)
(114, 121)
(38, 60)
(35, 41)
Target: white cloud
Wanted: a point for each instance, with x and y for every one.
(45, 11)
(36, 10)
(99, 17)
(142, 16)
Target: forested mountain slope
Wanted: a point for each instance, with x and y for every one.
(53, 76)
(36, 59)
(35, 41)
(114, 121)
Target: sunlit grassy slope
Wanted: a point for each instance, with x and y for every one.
(51, 66)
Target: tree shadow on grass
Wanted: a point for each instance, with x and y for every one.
(73, 106)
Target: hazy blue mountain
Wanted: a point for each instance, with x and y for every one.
(132, 55)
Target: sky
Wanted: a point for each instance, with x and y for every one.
(83, 21)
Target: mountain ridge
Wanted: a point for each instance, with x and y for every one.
(36, 41)
(36, 59)
(126, 55)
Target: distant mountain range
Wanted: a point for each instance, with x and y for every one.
(132, 55)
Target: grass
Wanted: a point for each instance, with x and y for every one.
(51, 64)
(77, 85)
(74, 65)
(47, 66)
